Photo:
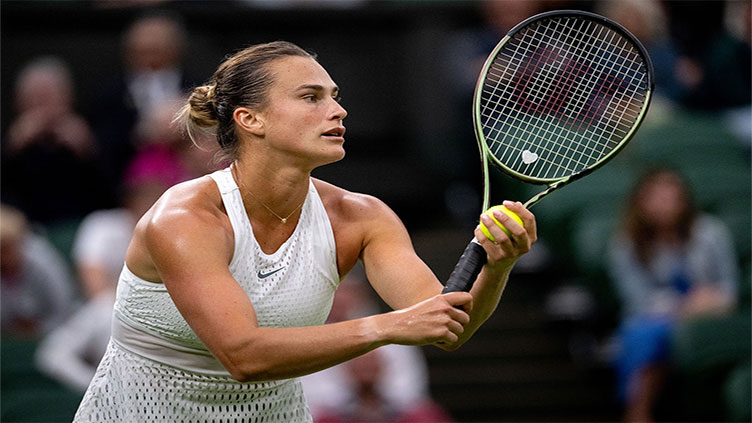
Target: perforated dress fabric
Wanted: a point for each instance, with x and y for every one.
(130, 388)
(157, 369)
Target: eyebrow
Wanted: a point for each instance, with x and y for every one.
(316, 87)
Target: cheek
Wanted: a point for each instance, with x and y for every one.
(290, 121)
(310, 120)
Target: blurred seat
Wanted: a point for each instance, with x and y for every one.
(738, 394)
(702, 147)
(717, 183)
(703, 135)
(17, 364)
(591, 234)
(736, 213)
(706, 351)
(55, 404)
(28, 395)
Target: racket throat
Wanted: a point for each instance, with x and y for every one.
(533, 201)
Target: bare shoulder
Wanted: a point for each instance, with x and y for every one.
(186, 215)
(357, 219)
(349, 206)
(197, 199)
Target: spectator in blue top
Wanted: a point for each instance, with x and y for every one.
(669, 262)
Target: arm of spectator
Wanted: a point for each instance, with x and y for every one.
(71, 352)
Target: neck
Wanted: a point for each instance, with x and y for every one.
(271, 193)
(668, 237)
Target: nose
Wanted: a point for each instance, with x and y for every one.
(338, 112)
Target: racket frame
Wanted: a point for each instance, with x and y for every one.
(553, 183)
(474, 257)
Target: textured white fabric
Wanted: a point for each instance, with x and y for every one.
(292, 287)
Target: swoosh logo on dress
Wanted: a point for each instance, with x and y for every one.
(262, 275)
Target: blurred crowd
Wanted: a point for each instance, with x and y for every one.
(74, 185)
(95, 174)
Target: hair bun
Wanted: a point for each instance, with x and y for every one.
(203, 107)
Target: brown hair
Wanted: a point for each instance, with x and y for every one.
(242, 80)
(640, 229)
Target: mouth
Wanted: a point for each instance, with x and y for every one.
(337, 132)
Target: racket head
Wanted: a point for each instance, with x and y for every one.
(559, 96)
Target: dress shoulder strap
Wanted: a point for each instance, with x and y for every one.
(233, 203)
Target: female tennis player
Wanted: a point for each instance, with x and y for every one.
(229, 278)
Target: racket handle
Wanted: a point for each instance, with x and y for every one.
(467, 268)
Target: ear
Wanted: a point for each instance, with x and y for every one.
(249, 120)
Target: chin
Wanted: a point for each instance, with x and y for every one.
(329, 156)
(336, 151)
(338, 156)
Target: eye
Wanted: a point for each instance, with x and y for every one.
(310, 98)
(337, 98)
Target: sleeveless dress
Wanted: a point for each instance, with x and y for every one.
(155, 367)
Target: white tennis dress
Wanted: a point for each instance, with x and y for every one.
(156, 368)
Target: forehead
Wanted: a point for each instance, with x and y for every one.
(293, 72)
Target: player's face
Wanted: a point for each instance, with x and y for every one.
(302, 114)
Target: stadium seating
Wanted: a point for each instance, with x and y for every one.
(712, 353)
(28, 395)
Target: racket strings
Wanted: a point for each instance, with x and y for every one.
(520, 129)
(569, 77)
(542, 79)
(546, 78)
(554, 103)
(559, 97)
(592, 42)
(566, 76)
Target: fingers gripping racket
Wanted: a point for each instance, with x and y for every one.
(559, 96)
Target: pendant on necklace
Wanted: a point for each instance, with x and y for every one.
(284, 220)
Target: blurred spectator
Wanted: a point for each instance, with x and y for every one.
(37, 291)
(160, 142)
(165, 158)
(669, 263)
(123, 4)
(293, 4)
(715, 66)
(48, 160)
(366, 381)
(386, 385)
(647, 21)
(72, 351)
(103, 236)
(153, 49)
(739, 23)
(470, 49)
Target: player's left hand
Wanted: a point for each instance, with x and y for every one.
(507, 249)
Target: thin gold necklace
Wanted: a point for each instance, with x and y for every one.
(281, 219)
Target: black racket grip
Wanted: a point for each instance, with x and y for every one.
(467, 269)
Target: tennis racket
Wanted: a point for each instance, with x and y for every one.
(559, 96)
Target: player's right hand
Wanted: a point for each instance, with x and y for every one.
(437, 320)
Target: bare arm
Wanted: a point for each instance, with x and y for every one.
(401, 278)
(191, 257)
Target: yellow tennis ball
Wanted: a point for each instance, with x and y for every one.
(508, 212)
